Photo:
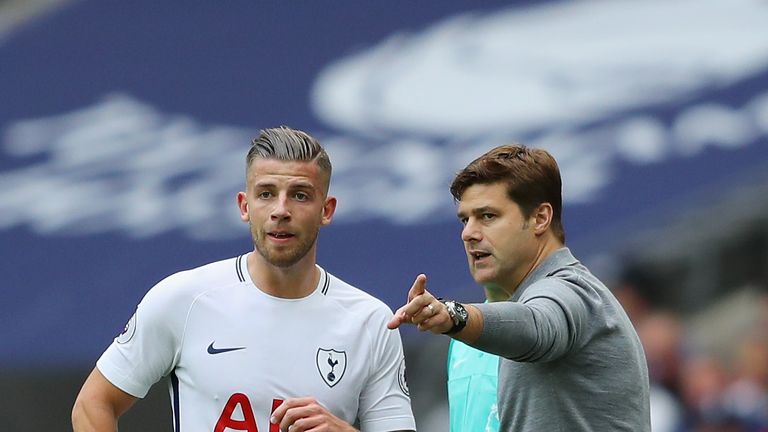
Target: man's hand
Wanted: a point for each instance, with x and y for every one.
(422, 309)
(303, 414)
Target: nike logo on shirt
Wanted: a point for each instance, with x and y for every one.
(212, 350)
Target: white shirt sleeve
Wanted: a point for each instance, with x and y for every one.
(385, 404)
(148, 348)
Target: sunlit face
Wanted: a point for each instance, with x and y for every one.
(285, 205)
(499, 241)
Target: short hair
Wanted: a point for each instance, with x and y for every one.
(531, 175)
(287, 144)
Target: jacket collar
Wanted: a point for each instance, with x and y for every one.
(558, 259)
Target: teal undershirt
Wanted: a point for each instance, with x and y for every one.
(472, 384)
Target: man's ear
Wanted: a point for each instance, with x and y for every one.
(242, 204)
(542, 218)
(329, 208)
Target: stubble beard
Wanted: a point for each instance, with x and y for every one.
(483, 275)
(475, 271)
(286, 256)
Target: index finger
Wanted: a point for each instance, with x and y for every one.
(418, 288)
(398, 318)
(401, 316)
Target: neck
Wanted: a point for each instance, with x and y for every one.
(548, 245)
(495, 294)
(296, 281)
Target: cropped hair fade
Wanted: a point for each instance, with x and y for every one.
(287, 144)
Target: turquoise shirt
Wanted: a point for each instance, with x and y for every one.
(472, 383)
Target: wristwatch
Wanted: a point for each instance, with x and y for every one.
(458, 314)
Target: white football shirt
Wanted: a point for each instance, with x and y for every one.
(234, 353)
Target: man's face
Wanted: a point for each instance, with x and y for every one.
(499, 241)
(285, 204)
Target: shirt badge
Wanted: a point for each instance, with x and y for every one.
(331, 364)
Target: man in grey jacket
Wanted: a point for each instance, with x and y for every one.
(571, 360)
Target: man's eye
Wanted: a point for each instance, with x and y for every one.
(463, 220)
(265, 194)
(301, 196)
(488, 216)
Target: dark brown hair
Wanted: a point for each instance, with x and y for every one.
(531, 175)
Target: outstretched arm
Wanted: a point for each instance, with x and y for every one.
(99, 405)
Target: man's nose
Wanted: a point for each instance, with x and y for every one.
(470, 233)
(281, 211)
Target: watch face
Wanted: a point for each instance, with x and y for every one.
(458, 314)
(461, 312)
(457, 311)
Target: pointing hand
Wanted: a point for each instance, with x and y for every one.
(422, 309)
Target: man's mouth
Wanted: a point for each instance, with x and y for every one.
(280, 235)
(478, 255)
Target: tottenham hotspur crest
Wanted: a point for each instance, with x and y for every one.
(331, 364)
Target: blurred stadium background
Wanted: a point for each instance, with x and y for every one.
(123, 127)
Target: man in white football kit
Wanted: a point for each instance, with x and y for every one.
(266, 341)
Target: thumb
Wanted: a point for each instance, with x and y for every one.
(418, 288)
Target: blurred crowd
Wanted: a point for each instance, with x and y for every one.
(708, 369)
